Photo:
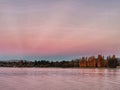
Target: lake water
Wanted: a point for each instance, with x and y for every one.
(59, 79)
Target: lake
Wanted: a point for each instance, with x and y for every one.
(59, 79)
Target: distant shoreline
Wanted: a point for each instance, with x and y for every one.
(84, 62)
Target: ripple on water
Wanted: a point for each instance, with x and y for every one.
(59, 79)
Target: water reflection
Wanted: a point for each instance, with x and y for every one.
(59, 79)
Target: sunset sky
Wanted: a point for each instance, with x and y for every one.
(59, 28)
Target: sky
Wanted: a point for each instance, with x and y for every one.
(59, 28)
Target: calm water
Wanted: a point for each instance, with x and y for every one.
(59, 79)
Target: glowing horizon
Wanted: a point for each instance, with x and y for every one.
(66, 27)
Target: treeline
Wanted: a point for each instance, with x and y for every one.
(42, 63)
(100, 61)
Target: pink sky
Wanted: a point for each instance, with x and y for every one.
(59, 28)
